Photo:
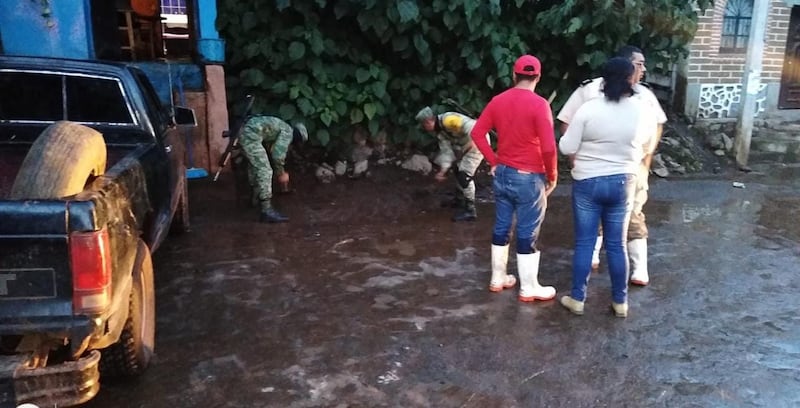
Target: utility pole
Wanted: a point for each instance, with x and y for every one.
(751, 82)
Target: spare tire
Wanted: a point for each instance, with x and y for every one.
(62, 160)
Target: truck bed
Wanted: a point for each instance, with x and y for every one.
(13, 155)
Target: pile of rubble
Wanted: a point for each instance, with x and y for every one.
(683, 150)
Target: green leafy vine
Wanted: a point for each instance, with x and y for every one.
(339, 65)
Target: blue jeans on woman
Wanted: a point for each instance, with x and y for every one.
(519, 192)
(608, 199)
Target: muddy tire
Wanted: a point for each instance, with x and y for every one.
(61, 162)
(131, 354)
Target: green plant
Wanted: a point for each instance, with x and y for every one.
(338, 64)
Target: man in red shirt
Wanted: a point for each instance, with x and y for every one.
(525, 172)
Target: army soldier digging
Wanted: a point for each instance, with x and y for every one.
(453, 132)
(261, 132)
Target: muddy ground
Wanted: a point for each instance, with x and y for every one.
(372, 297)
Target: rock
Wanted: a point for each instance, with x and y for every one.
(380, 141)
(324, 174)
(361, 153)
(658, 168)
(419, 163)
(727, 142)
(719, 141)
(679, 169)
(360, 168)
(671, 141)
(719, 153)
(341, 168)
(661, 172)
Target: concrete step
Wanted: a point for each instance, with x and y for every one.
(782, 149)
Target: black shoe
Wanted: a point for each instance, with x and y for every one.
(467, 213)
(455, 202)
(271, 216)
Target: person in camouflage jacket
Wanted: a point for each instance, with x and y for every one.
(453, 129)
(261, 132)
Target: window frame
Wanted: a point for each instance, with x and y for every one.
(134, 120)
(738, 48)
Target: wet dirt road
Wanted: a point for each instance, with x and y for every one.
(372, 297)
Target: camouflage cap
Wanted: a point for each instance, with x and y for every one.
(301, 131)
(425, 113)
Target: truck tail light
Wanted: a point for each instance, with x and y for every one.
(90, 256)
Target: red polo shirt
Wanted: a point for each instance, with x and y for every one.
(525, 133)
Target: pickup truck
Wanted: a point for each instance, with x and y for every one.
(92, 179)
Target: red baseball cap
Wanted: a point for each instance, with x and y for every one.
(527, 65)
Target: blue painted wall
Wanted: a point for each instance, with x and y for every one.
(185, 77)
(65, 33)
(210, 47)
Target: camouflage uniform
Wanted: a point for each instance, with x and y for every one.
(453, 129)
(258, 132)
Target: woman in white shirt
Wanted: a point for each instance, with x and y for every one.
(607, 140)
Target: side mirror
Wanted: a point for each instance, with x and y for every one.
(185, 116)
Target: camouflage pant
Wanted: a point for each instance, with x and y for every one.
(469, 164)
(259, 171)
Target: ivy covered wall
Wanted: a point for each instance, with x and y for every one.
(340, 64)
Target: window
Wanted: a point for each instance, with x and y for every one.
(27, 96)
(736, 26)
(49, 97)
(96, 100)
(173, 7)
(175, 28)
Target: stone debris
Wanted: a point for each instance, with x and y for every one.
(418, 163)
(360, 168)
(325, 174)
(341, 168)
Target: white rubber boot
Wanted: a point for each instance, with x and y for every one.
(637, 252)
(500, 278)
(529, 287)
(596, 253)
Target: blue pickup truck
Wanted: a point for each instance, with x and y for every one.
(92, 180)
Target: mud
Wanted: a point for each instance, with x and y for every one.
(372, 297)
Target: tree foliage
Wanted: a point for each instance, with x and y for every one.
(371, 63)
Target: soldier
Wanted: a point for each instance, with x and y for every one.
(637, 231)
(453, 131)
(263, 130)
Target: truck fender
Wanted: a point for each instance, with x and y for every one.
(119, 307)
(130, 355)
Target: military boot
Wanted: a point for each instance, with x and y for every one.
(271, 216)
(467, 212)
(455, 202)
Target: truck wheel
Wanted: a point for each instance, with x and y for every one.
(180, 221)
(131, 354)
(61, 162)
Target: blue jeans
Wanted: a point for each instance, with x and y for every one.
(608, 199)
(519, 193)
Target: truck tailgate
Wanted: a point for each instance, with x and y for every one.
(35, 280)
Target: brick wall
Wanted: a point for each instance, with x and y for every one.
(706, 65)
